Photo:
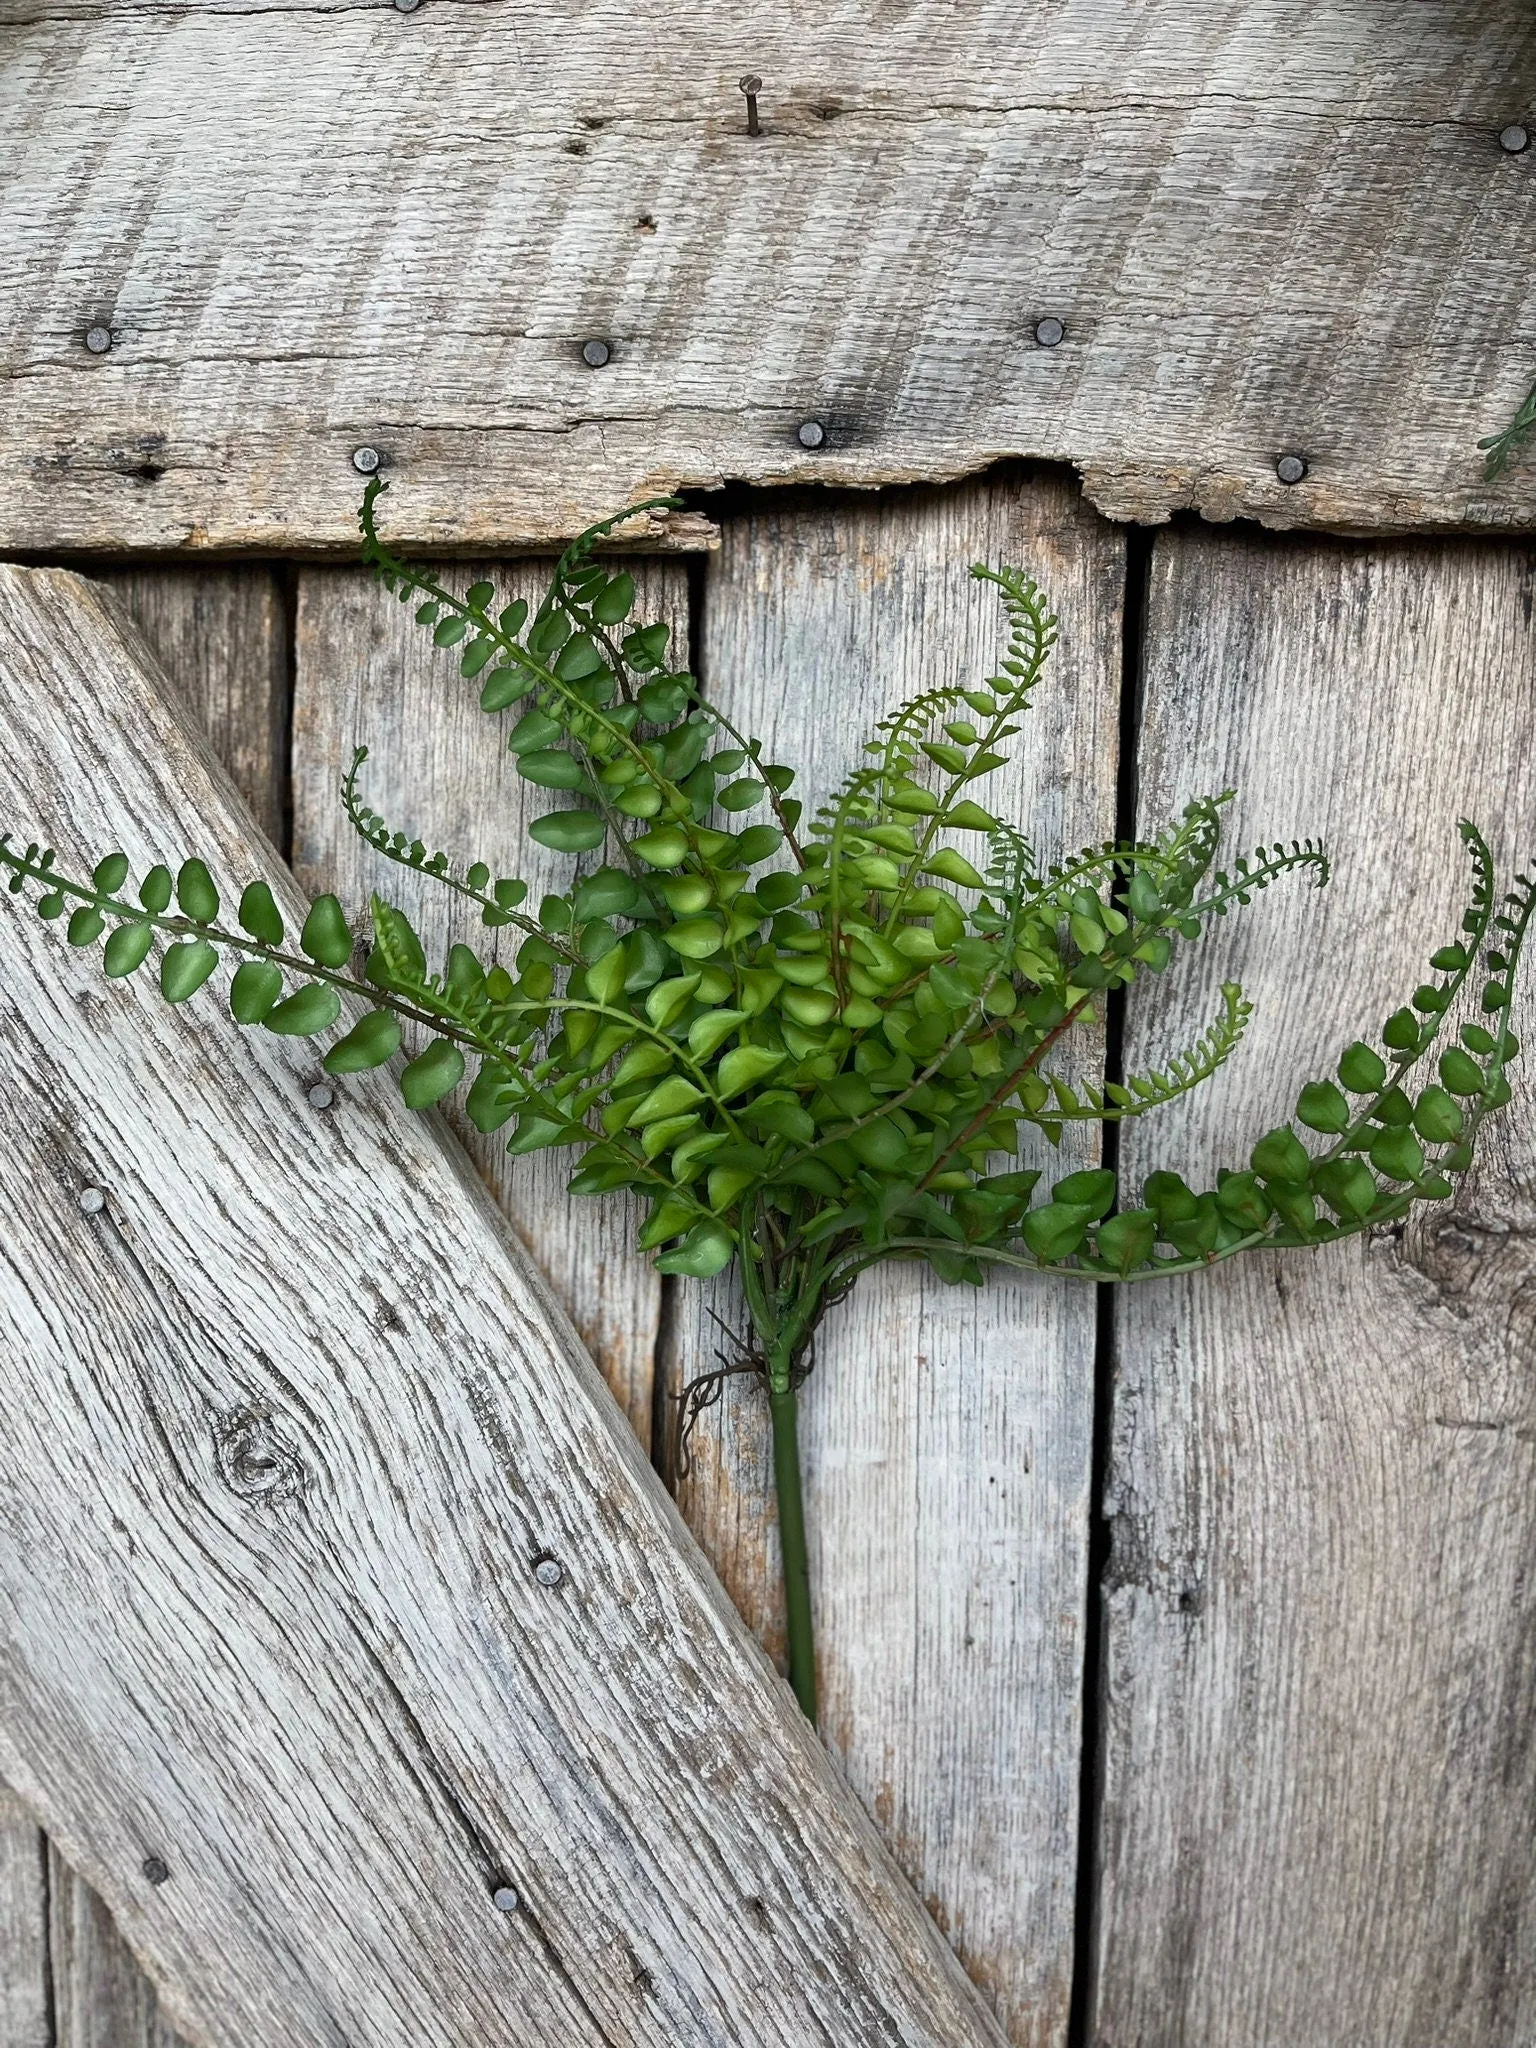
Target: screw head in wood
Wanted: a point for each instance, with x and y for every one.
(549, 1571)
(156, 1869)
(1049, 331)
(98, 340)
(595, 353)
(92, 1201)
(321, 1097)
(365, 460)
(1514, 139)
(810, 434)
(1290, 469)
(505, 1899)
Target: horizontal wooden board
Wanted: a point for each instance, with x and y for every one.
(287, 1425)
(946, 1430)
(1319, 1778)
(1266, 227)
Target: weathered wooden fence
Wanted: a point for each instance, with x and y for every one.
(1181, 1648)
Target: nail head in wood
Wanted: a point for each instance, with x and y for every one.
(1290, 469)
(549, 1571)
(505, 1899)
(321, 1097)
(98, 340)
(1514, 139)
(1049, 331)
(810, 433)
(156, 1869)
(595, 353)
(407, 6)
(92, 1201)
(365, 460)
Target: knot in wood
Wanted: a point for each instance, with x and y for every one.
(256, 1460)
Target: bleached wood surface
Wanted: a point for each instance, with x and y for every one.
(1267, 226)
(367, 674)
(25, 2015)
(946, 1433)
(1321, 1613)
(101, 1998)
(279, 1454)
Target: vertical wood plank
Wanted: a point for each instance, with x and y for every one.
(946, 1433)
(221, 635)
(26, 2018)
(1321, 1613)
(438, 768)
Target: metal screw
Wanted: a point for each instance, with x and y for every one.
(751, 85)
(505, 1899)
(810, 433)
(1514, 139)
(365, 460)
(1049, 331)
(1290, 469)
(98, 340)
(92, 1201)
(549, 1571)
(321, 1097)
(595, 353)
(156, 1869)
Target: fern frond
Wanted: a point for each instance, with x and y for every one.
(1141, 1092)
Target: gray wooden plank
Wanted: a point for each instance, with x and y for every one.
(1321, 1634)
(1266, 226)
(368, 674)
(101, 1998)
(946, 1433)
(287, 1425)
(26, 2018)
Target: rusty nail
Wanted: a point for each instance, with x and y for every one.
(549, 1571)
(505, 1899)
(810, 433)
(1514, 139)
(156, 1869)
(1049, 331)
(595, 353)
(321, 1097)
(98, 340)
(752, 85)
(92, 1201)
(365, 460)
(1290, 469)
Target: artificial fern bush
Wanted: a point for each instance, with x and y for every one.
(814, 1044)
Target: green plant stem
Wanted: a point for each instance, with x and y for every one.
(782, 1403)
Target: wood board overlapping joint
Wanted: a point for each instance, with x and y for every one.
(529, 268)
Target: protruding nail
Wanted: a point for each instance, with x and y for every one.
(98, 340)
(595, 353)
(1291, 469)
(1514, 139)
(549, 1571)
(365, 460)
(752, 85)
(1049, 331)
(321, 1097)
(810, 433)
(505, 1899)
(92, 1201)
(156, 1869)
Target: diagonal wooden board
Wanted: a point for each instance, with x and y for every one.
(301, 229)
(286, 1426)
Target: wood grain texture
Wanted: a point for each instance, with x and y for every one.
(26, 2018)
(439, 769)
(287, 1426)
(101, 1998)
(1321, 1645)
(946, 1432)
(1268, 226)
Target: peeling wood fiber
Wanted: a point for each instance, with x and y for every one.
(1266, 226)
